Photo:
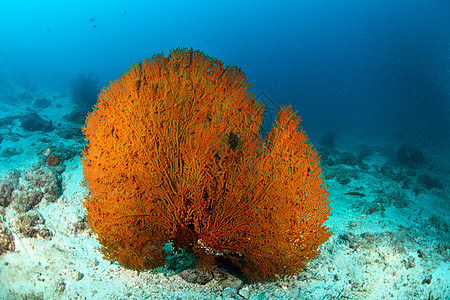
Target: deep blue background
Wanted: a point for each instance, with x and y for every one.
(377, 68)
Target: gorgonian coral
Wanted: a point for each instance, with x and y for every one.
(175, 155)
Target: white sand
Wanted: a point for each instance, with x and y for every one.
(371, 255)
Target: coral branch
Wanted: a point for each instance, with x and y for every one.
(175, 155)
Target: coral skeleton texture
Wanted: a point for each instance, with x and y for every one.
(175, 155)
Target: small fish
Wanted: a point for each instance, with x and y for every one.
(92, 19)
(124, 13)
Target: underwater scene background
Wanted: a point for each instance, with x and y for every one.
(369, 79)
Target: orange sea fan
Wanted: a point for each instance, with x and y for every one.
(175, 155)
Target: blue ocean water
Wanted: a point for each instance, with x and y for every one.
(370, 79)
(372, 67)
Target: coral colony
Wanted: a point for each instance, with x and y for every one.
(175, 157)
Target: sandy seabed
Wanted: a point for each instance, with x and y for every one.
(389, 222)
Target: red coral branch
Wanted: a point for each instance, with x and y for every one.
(175, 155)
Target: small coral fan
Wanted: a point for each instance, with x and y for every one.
(175, 155)
(53, 160)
